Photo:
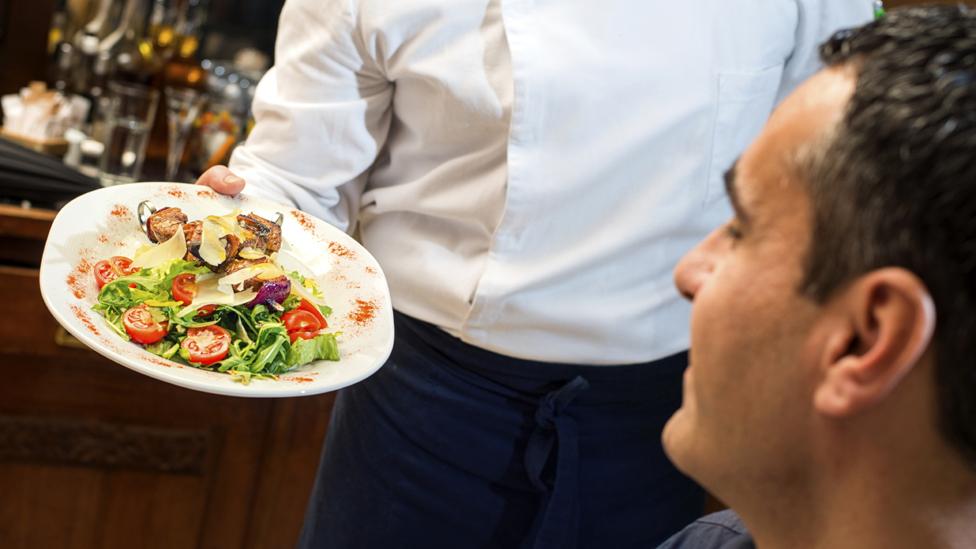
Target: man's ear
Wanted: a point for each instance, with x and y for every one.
(881, 325)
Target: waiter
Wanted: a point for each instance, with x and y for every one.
(527, 173)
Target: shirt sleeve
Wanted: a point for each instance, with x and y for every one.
(721, 530)
(322, 114)
(817, 21)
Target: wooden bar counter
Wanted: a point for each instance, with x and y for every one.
(93, 455)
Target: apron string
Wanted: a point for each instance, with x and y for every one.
(556, 437)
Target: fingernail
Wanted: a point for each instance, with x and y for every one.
(232, 179)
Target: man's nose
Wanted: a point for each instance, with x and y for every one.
(692, 271)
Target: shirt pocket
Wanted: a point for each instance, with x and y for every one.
(745, 99)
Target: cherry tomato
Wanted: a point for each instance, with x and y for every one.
(142, 327)
(307, 305)
(304, 322)
(293, 336)
(206, 345)
(300, 320)
(205, 311)
(184, 288)
(109, 269)
(123, 265)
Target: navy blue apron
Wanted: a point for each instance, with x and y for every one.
(451, 446)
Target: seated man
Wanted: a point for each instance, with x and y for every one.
(831, 394)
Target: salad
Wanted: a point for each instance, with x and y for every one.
(219, 294)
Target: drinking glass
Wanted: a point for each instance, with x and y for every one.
(182, 108)
(129, 116)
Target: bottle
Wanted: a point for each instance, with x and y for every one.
(98, 94)
(86, 51)
(110, 42)
(58, 31)
(160, 40)
(183, 70)
(131, 59)
(62, 65)
(178, 39)
(60, 50)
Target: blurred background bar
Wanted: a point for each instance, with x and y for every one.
(63, 64)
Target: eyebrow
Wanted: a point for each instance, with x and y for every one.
(732, 191)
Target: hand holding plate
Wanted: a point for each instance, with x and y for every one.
(222, 180)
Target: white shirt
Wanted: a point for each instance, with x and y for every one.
(528, 172)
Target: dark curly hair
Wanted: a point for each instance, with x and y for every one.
(894, 184)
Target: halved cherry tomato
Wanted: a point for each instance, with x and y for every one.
(206, 345)
(293, 336)
(305, 321)
(185, 288)
(109, 269)
(205, 311)
(142, 327)
(307, 305)
(300, 320)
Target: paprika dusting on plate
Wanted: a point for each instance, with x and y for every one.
(365, 311)
(83, 267)
(77, 287)
(340, 250)
(83, 317)
(121, 213)
(161, 362)
(78, 278)
(303, 220)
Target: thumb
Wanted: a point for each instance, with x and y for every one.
(222, 180)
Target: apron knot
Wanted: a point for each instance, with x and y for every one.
(554, 402)
(556, 439)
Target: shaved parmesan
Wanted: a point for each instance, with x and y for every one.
(262, 271)
(211, 248)
(227, 223)
(210, 293)
(174, 248)
(269, 271)
(236, 277)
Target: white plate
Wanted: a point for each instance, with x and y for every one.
(103, 223)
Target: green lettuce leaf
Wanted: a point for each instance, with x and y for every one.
(321, 347)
